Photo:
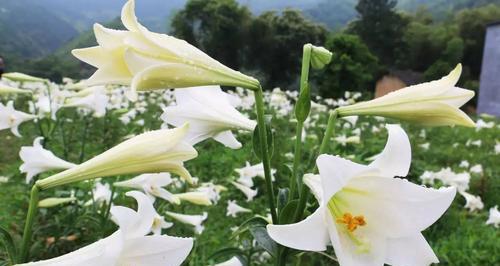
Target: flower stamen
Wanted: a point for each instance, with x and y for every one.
(352, 222)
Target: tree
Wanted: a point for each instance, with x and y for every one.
(275, 45)
(353, 67)
(472, 28)
(380, 27)
(219, 27)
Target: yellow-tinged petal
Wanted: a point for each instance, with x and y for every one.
(151, 152)
(434, 103)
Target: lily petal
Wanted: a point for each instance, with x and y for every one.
(309, 234)
(394, 206)
(395, 159)
(410, 251)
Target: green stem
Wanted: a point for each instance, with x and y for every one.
(28, 226)
(304, 82)
(296, 159)
(259, 104)
(304, 192)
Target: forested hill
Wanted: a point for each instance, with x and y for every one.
(35, 28)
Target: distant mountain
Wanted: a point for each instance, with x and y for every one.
(36, 28)
(31, 32)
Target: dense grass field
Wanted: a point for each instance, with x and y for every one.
(460, 237)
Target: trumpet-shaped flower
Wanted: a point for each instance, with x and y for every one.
(11, 118)
(4, 89)
(194, 220)
(248, 191)
(101, 193)
(494, 217)
(153, 185)
(248, 172)
(130, 244)
(97, 101)
(146, 60)
(37, 160)
(233, 208)
(434, 103)
(210, 113)
(472, 203)
(370, 216)
(155, 151)
(195, 197)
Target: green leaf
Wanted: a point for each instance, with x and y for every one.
(259, 233)
(288, 212)
(256, 141)
(9, 245)
(303, 105)
(254, 221)
(282, 197)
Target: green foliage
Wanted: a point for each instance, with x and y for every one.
(472, 28)
(219, 27)
(380, 27)
(353, 66)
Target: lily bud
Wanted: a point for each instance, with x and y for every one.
(434, 103)
(4, 89)
(147, 60)
(320, 57)
(52, 202)
(21, 77)
(151, 152)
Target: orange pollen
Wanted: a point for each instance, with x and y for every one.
(352, 222)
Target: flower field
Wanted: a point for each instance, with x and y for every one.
(445, 156)
(165, 156)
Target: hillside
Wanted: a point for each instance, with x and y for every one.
(31, 32)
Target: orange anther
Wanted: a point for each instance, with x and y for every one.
(351, 222)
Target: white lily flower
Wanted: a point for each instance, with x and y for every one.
(476, 169)
(494, 217)
(472, 202)
(234, 261)
(464, 164)
(153, 185)
(211, 114)
(101, 193)
(146, 60)
(37, 160)
(248, 172)
(480, 124)
(97, 101)
(11, 118)
(4, 89)
(425, 146)
(249, 192)
(195, 197)
(156, 151)
(213, 191)
(367, 214)
(343, 140)
(432, 103)
(497, 148)
(130, 244)
(194, 220)
(233, 208)
(447, 178)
